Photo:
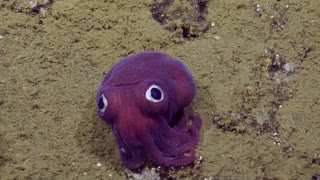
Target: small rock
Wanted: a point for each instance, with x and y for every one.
(289, 67)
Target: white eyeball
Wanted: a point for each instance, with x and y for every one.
(102, 103)
(154, 93)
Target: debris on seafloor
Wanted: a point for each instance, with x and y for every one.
(258, 101)
(146, 173)
(32, 7)
(40, 7)
(289, 67)
(186, 18)
(159, 172)
(261, 98)
(275, 14)
(263, 116)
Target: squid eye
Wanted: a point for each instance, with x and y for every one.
(102, 103)
(154, 93)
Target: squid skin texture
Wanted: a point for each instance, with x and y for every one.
(142, 98)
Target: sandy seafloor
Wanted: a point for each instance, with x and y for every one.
(51, 65)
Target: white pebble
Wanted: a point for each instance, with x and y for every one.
(99, 164)
(289, 67)
(217, 37)
(33, 4)
(43, 11)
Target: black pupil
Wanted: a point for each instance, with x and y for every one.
(156, 93)
(100, 103)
